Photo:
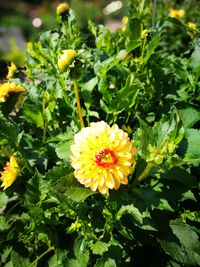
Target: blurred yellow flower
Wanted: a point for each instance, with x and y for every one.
(102, 157)
(62, 8)
(177, 13)
(192, 25)
(10, 173)
(124, 23)
(7, 88)
(11, 70)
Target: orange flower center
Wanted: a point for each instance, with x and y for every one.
(106, 158)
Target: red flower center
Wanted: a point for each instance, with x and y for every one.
(106, 158)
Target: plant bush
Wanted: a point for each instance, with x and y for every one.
(144, 79)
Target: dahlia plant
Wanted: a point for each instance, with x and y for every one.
(99, 143)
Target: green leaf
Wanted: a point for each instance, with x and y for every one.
(110, 263)
(3, 200)
(63, 149)
(81, 251)
(3, 224)
(78, 194)
(59, 259)
(130, 209)
(133, 45)
(18, 260)
(99, 247)
(180, 175)
(187, 237)
(153, 44)
(193, 150)
(33, 115)
(189, 117)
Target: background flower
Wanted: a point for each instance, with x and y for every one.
(9, 175)
(102, 157)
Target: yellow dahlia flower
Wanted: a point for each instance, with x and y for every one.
(175, 13)
(102, 157)
(10, 173)
(7, 88)
(11, 70)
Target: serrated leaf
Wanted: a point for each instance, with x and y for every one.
(78, 194)
(130, 209)
(3, 200)
(189, 117)
(186, 235)
(193, 150)
(3, 224)
(99, 247)
(180, 175)
(81, 251)
(63, 149)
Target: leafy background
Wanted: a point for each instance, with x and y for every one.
(149, 85)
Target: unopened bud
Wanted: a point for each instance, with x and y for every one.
(62, 8)
(66, 59)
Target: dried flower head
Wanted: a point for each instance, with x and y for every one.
(10, 173)
(102, 157)
(7, 88)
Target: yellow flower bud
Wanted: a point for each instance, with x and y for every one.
(124, 23)
(66, 59)
(62, 8)
(158, 159)
(144, 34)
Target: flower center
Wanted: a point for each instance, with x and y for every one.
(106, 158)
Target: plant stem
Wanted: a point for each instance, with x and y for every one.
(43, 116)
(42, 255)
(78, 103)
(154, 13)
(143, 175)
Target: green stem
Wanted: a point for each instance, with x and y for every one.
(43, 116)
(78, 103)
(154, 13)
(42, 255)
(143, 175)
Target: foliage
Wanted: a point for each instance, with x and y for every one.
(146, 82)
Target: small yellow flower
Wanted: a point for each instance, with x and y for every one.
(62, 8)
(124, 23)
(66, 59)
(7, 88)
(102, 157)
(11, 70)
(177, 13)
(10, 173)
(192, 25)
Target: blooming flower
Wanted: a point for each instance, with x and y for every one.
(177, 13)
(102, 157)
(11, 70)
(7, 88)
(10, 173)
(62, 8)
(192, 25)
